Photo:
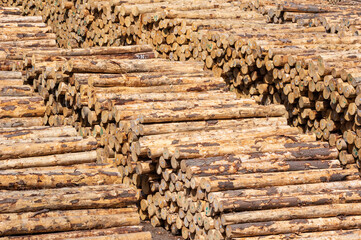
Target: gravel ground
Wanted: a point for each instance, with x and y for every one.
(159, 233)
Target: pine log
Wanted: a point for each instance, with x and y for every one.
(21, 107)
(58, 223)
(23, 179)
(208, 114)
(83, 233)
(353, 234)
(86, 197)
(307, 225)
(126, 236)
(22, 150)
(37, 132)
(15, 90)
(127, 66)
(287, 189)
(52, 160)
(21, 122)
(303, 212)
(224, 168)
(155, 129)
(217, 183)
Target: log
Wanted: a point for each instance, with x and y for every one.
(37, 132)
(155, 129)
(324, 235)
(83, 233)
(126, 66)
(85, 197)
(91, 220)
(22, 150)
(209, 114)
(52, 160)
(201, 151)
(281, 190)
(225, 168)
(9, 90)
(21, 107)
(303, 212)
(231, 204)
(216, 183)
(307, 225)
(22, 179)
(21, 122)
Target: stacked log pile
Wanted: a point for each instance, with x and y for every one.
(174, 141)
(65, 91)
(20, 34)
(175, 132)
(52, 186)
(50, 183)
(339, 19)
(50, 180)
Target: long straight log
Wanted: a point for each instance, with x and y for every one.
(16, 90)
(79, 234)
(41, 132)
(86, 197)
(224, 168)
(261, 203)
(307, 225)
(201, 151)
(353, 234)
(22, 150)
(92, 51)
(52, 160)
(127, 66)
(91, 220)
(208, 114)
(21, 122)
(217, 183)
(287, 189)
(18, 107)
(10, 75)
(155, 129)
(15, 179)
(126, 236)
(303, 212)
(301, 155)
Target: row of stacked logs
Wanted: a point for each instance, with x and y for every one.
(52, 186)
(51, 182)
(183, 32)
(265, 72)
(20, 34)
(245, 62)
(56, 169)
(203, 158)
(341, 19)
